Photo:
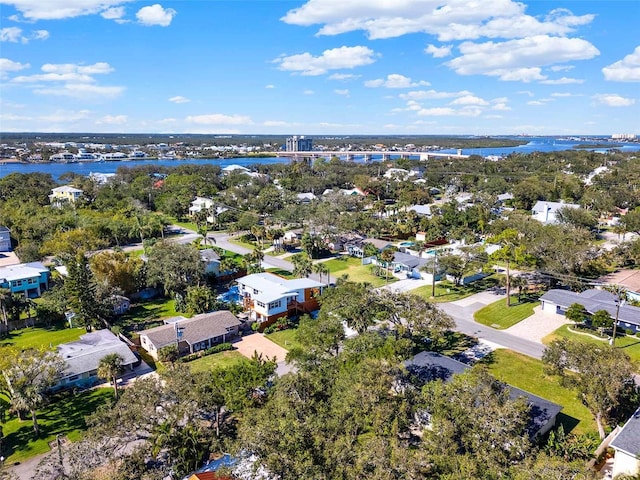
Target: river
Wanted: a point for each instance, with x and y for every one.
(537, 144)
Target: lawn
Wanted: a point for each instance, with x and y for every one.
(281, 273)
(38, 337)
(499, 316)
(250, 246)
(221, 360)
(355, 270)
(142, 314)
(448, 292)
(285, 338)
(628, 343)
(64, 416)
(527, 373)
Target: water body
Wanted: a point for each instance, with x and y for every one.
(537, 144)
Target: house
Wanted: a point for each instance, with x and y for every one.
(397, 174)
(211, 261)
(191, 334)
(626, 445)
(200, 204)
(410, 266)
(120, 304)
(5, 239)
(267, 297)
(65, 194)
(431, 366)
(305, 197)
(29, 279)
(421, 210)
(234, 169)
(83, 356)
(292, 236)
(627, 279)
(545, 212)
(557, 301)
(504, 197)
(356, 248)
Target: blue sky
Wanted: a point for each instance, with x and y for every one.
(320, 66)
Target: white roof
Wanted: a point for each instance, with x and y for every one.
(272, 287)
(305, 196)
(421, 209)
(67, 189)
(22, 271)
(542, 205)
(232, 168)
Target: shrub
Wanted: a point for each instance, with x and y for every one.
(282, 323)
(629, 332)
(221, 347)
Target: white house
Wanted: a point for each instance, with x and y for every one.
(626, 445)
(545, 212)
(267, 297)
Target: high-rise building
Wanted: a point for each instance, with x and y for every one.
(299, 144)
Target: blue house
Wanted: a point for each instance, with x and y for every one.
(29, 279)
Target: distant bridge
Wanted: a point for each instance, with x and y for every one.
(369, 154)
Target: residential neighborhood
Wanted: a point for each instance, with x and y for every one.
(332, 309)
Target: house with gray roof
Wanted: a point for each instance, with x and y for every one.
(546, 212)
(356, 248)
(410, 266)
(557, 301)
(211, 261)
(83, 356)
(28, 279)
(626, 445)
(191, 334)
(431, 366)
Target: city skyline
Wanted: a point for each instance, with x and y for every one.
(320, 67)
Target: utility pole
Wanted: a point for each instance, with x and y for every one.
(433, 276)
(615, 322)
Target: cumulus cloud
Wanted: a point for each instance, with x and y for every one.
(7, 66)
(219, 119)
(449, 112)
(562, 81)
(333, 59)
(113, 13)
(432, 94)
(60, 9)
(155, 15)
(438, 52)
(625, 70)
(66, 72)
(179, 99)
(344, 92)
(521, 59)
(395, 80)
(446, 19)
(112, 120)
(15, 35)
(41, 35)
(82, 91)
(613, 100)
(469, 100)
(269, 86)
(343, 76)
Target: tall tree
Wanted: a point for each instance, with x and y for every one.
(601, 374)
(110, 368)
(82, 293)
(576, 313)
(28, 375)
(175, 267)
(302, 265)
(511, 251)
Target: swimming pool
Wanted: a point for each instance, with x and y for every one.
(407, 244)
(230, 296)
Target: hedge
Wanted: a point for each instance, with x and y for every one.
(221, 347)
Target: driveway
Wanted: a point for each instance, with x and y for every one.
(256, 342)
(538, 325)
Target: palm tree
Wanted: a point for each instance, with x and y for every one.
(302, 265)
(321, 269)
(109, 368)
(5, 299)
(387, 256)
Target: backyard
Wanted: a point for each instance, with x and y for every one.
(217, 360)
(356, 271)
(148, 313)
(65, 415)
(527, 373)
(497, 315)
(34, 337)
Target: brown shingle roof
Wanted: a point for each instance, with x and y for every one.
(197, 329)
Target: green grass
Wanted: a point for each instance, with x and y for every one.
(144, 313)
(448, 292)
(64, 416)
(356, 271)
(217, 360)
(250, 246)
(499, 316)
(628, 343)
(285, 338)
(38, 337)
(187, 225)
(527, 373)
(282, 273)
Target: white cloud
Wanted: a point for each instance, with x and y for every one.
(446, 19)
(59, 9)
(269, 86)
(562, 81)
(564, 94)
(96, 68)
(395, 80)
(528, 93)
(113, 13)
(613, 100)
(469, 100)
(432, 94)
(449, 112)
(179, 99)
(64, 116)
(344, 92)
(501, 107)
(112, 120)
(41, 35)
(562, 68)
(438, 52)
(521, 59)
(333, 59)
(308, 92)
(66, 72)
(343, 76)
(219, 119)
(536, 103)
(11, 34)
(155, 15)
(82, 91)
(625, 70)
(7, 66)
